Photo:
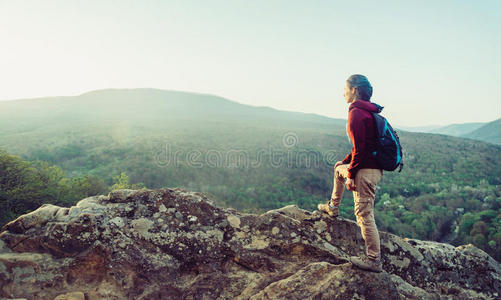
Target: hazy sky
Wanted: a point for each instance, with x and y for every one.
(430, 62)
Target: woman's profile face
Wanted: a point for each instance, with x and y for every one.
(349, 94)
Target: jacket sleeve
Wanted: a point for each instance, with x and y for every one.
(347, 159)
(357, 131)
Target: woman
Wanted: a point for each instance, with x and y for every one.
(359, 171)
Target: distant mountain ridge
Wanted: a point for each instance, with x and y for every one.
(458, 129)
(483, 131)
(109, 102)
(490, 132)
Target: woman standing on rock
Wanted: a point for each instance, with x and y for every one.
(359, 171)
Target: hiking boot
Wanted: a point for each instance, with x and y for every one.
(366, 263)
(328, 208)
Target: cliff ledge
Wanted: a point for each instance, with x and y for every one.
(175, 244)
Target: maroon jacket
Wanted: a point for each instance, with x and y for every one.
(362, 133)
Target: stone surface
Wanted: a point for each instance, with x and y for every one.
(175, 244)
(71, 296)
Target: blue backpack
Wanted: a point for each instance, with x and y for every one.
(388, 151)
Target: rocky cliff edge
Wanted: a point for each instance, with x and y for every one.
(175, 244)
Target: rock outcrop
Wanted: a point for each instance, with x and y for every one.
(174, 244)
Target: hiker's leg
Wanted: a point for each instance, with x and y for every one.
(366, 181)
(340, 175)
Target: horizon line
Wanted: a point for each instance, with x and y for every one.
(215, 95)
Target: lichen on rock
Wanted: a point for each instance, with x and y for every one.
(176, 244)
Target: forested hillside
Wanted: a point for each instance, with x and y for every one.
(250, 158)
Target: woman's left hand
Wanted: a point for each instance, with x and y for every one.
(350, 184)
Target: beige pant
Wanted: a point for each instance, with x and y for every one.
(363, 196)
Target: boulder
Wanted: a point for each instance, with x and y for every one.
(176, 244)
